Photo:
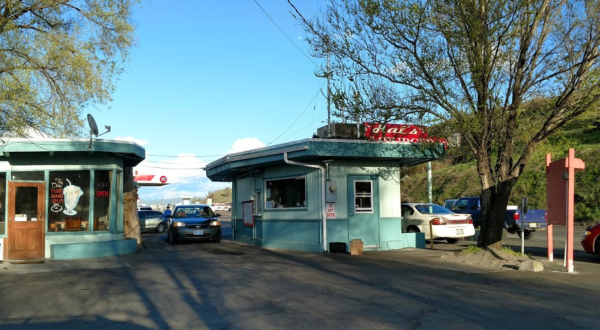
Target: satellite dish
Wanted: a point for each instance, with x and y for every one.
(93, 126)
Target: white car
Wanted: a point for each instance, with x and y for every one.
(445, 223)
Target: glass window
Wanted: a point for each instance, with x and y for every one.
(69, 198)
(363, 197)
(2, 206)
(432, 209)
(285, 193)
(461, 205)
(102, 180)
(26, 204)
(27, 176)
(406, 210)
(257, 203)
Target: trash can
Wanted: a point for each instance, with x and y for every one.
(356, 247)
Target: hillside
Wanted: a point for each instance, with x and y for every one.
(456, 175)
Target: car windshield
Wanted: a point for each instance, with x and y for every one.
(432, 209)
(184, 212)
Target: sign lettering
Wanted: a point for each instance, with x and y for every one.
(400, 133)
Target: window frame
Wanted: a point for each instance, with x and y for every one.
(268, 193)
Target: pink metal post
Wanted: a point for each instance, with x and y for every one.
(560, 194)
(550, 244)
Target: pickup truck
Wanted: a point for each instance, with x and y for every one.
(534, 219)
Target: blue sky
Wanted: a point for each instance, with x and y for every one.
(211, 77)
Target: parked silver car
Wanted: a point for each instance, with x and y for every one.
(151, 221)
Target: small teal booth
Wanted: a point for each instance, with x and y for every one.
(320, 193)
(63, 199)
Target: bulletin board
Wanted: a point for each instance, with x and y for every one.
(248, 208)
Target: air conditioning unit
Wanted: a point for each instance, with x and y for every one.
(341, 131)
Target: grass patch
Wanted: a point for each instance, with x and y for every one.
(472, 249)
(511, 252)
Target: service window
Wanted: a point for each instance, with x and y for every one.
(285, 193)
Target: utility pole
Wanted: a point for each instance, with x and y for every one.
(328, 90)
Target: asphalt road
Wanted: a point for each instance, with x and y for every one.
(230, 285)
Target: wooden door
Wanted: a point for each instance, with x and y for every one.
(26, 214)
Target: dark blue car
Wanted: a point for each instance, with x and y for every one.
(194, 222)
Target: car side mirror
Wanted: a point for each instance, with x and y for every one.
(217, 215)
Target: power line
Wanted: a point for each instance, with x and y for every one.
(261, 8)
(311, 101)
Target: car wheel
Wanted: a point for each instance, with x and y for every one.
(160, 228)
(170, 239)
(528, 234)
(452, 240)
(218, 240)
(598, 247)
(412, 230)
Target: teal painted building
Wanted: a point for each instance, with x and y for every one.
(307, 194)
(63, 199)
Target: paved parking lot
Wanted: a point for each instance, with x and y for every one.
(230, 285)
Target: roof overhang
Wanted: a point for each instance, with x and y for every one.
(407, 154)
(132, 153)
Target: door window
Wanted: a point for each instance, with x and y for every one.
(26, 207)
(363, 196)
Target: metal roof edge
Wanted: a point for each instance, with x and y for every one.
(259, 152)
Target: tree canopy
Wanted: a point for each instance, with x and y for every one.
(483, 68)
(58, 57)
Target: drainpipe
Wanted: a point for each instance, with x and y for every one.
(323, 204)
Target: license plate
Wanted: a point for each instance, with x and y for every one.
(532, 225)
(459, 232)
(198, 232)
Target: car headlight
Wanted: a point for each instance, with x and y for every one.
(215, 223)
(178, 224)
(587, 233)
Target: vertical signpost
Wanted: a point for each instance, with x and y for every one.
(560, 197)
(523, 212)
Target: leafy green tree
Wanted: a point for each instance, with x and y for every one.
(487, 69)
(58, 57)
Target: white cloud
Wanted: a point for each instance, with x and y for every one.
(184, 173)
(246, 144)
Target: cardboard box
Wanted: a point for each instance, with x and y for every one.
(356, 247)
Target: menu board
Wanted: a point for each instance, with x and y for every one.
(248, 218)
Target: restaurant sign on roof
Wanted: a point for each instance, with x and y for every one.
(400, 133)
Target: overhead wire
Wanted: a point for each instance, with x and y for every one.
(288, 38)
(296, 133)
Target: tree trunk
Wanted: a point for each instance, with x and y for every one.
(493, 211)
(131, 222)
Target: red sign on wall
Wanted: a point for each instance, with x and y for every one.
(400, 133)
